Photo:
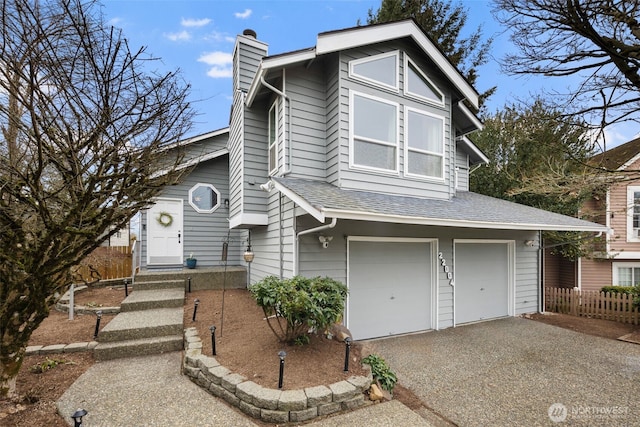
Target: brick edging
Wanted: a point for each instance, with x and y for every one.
(269, 405)
(77, 347)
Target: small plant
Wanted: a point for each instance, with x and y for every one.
(302, 340)
(294, 306)
(191, 256)
(381, 372)
(48, 364)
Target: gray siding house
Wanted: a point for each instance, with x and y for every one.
(350, 159)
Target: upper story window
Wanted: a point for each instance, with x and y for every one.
(374, 133)
(381, 70)
(626, 274)
(204, 198)
(633, 213)
(417, 84)
(273, 138)
(424, 144)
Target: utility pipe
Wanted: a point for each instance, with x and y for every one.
(332, 224)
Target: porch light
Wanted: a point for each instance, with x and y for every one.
(77, 417)
(248, 254)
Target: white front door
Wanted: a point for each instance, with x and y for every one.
(164, 232)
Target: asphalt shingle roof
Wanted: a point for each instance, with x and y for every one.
(466, 209)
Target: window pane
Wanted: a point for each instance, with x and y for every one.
(424, 164)
(272, 125)
(374, 119)
(624, 276)
(382, 70)
(425, 132)
(416, 84)
(204, 198)
(636, 209)
(636, 275)
(374, 155)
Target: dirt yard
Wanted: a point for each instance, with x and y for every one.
(244, 344)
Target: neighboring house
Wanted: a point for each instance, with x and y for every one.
(121, 237)
(350, 159)
(619, 263)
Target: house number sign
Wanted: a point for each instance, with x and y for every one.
(445, 268)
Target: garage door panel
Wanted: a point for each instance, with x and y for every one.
(389, 288)
(482, 281)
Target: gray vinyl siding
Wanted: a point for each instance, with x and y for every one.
(306, 88)
(273, 244)
(462, 163)
(203, 233)
(333, 135)
(236, 155)
(255, 161)
(393, 183)
(332, 262)
(247, 56)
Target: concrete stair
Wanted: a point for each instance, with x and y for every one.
(150, 322)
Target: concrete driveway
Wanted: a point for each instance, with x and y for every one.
(518, 372)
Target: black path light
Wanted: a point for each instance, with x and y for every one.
(98, 317)
(77, 417)
(347, 349)
(281, 354)
(195, 309)
(212, 328)
(189, 284)
(126, 287)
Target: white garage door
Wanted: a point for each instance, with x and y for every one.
(390, 286)
(482, 280)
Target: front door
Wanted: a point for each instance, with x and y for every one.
(164, 233)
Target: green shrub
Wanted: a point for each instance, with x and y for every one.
(300, 303)
(628, 290)
(381, 372)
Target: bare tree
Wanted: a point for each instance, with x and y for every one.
(84, 125)
(596, 42)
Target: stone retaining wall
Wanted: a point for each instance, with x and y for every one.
(269, 405)
(63, 304)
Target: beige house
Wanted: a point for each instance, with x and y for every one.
(619, 262)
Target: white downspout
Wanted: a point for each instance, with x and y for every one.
(285, 100)
(332, 224)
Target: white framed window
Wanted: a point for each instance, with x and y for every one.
(424, 144)
(626, 273)
(204, 198)
(418, 85)
(373, 133)
(633, 213)
(381, 70)
(273, 138)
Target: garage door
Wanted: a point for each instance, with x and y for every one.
(482, 280)
(389, 287)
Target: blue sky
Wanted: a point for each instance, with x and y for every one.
(198, 37)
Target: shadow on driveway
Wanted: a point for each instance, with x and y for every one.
(518, 372)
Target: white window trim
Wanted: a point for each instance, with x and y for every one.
(356, 76)
(273, 169)
(214, 189)
(630, 204)
(408, 61)
(432, 153)
(352, 164)
(614, 274)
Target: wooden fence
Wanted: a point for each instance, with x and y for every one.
(599, 305)
(104, 263)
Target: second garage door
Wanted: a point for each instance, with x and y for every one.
(390, 287)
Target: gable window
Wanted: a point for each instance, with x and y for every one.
(633, 213)
(380, 69)
(273, 138)
(424, 147)
(626, 274)
(204, 198)
(374, 133)
(418, 84)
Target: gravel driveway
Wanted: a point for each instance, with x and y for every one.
(510, 372)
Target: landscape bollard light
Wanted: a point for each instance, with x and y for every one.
(98, 317)
(195, 309)
(189, 284)
(77, 417)
(347, 349)
(213, 339)
(126, 287)
(282, 354)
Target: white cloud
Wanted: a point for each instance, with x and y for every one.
(243, 15)
(195, 22)
(220, 63)
(181, 36)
